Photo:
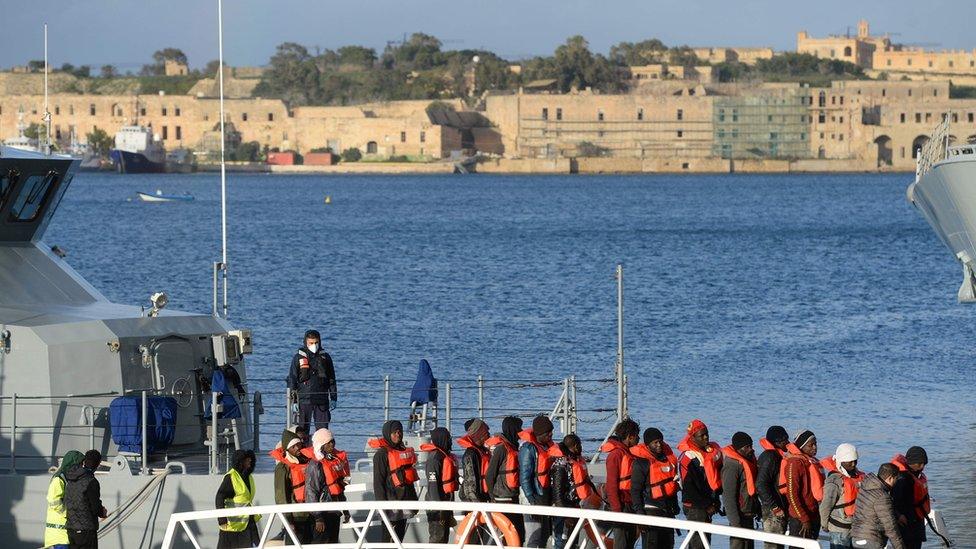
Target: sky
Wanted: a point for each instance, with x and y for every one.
(125, 33)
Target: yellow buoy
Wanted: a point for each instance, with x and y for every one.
(328, 199)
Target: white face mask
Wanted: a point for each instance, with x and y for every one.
(314, 347)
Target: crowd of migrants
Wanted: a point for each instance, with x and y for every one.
(786, 490)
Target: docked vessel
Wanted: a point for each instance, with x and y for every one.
(137, 151)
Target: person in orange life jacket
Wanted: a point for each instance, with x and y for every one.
(289, 482)
(533, 459)
(767, 482)
(802, 484)
(619, 472)
(839, 495)
(654, 487)
(502, 477)
(326, 477)
(571, 484)
(442, 482)
(700, 466)
(312, 377)
(394, 474)
(739, 472)
(474, 462)
(910, 495)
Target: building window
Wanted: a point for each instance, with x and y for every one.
(840, 137)
(955, 117)
(884, 92)
(164, 111)
(176, 111)
(889, 62)
(545, 113)
(91, 109)
(935, 93)
(928, 117)
(918, 118)
(165, 132)
(57, 109)
(559, 113)
(681, 133)
(403, 137)
(833, 99)
(903, 152)
(847, 51)
(952, 63)
(735, 115)
(142, 111)
(902, 118)
(721, 115)
(270, 117)
(909, 93)
(599, 116)
(71, 110)
(244, 116)
(423, 137)
(833, 53)
(179, 132)
(833, 119)
(930, 63)
(681, 114)
(57, 132)
(822, 99)
(909, 61)
(822, 117)
(640, 113)
(970, 118)
(371, 147)
(841, 120)
(842, 100)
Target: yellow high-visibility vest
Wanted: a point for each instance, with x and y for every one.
(55, 532)
(243, 497)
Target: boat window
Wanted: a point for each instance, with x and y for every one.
(7, 180)
(33, 195)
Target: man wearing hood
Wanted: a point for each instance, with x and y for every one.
(55, 532)
(502, 477)
(83, 502)
(289, 480)
(326, 477)
(910, 494)
(533, 458)
(312, 376)
(839, 495)
(442, 482)
(394, 474)
(767, 482)
(571, 484)
(474, 462)
(237, 490)
(874, 523)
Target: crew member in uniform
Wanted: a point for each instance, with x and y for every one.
(312, 377)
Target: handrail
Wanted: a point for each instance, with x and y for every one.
(381, 508)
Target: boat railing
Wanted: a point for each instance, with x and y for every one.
(373, 520)
(934, 150)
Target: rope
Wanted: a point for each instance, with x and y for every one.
(115, 519)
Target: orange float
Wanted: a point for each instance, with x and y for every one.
(500, 522)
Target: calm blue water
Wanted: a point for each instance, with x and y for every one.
(819, 302)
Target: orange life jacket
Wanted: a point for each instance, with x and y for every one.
(483, 456)
(816, 473)
(921, 487)
(336, 469)
(626, 464)
(710, 459)
(511, 469)
(296, 472)
(581, 476)
(403, 462)
(663, 481)
(750, 467)
(449, 468)
(543, 460)
(851, 485)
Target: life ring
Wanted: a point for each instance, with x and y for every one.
(595, 502)
(607, 539)
(500, 521)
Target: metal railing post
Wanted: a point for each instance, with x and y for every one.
(13, 434)
(215, 267)
(288, 413)
(256, 406)
(447, 404)
(213, 432)
(574, 419)
(386, 397)
(566, 401)
(481, 397)
(145, 429)
(621, 380)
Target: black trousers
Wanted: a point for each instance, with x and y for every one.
(331, 532)
(794, 528)
(697, 515)
(738, 543)
(657, 538)
(320, 412)
(83, 539)
(399, 526)
(624, 535)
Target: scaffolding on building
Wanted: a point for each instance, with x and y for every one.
(770, 125)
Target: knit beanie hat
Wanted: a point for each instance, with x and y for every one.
(476, 427)
(845, 452)
(916, 455)
(651, 434)
(540, 425)
(777, 433)
(740, 440)
(802, 438)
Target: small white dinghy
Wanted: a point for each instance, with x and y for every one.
(161, 197)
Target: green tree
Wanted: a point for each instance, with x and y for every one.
(576, 67)
(99, 141)
(633, 54)
(160, 57)
(421, 51)
(352, 155)
(211, 68)
(683, 56)
(292, 76)
(357, 55)
(36, 65)
(34, 131)
(108, 71)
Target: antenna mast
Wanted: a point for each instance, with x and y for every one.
(47, 112)
(223, 168)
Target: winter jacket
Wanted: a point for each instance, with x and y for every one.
(617, 499)
(82, 499)
(903, 499)
(640, 493)
(800, 503)
(831, 519)
(695, 491)
(498, 490)
(874, 515)
(283, 482)
(441, 439)
(534, 493)
(383, 488)
(740, 507)
(317, 383)
(316, 489)
(471, 489)
(767, 481)
(561, 480)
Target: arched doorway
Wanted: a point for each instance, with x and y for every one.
(371, 147)
(821, 152)
(918, 143)
(883, 143)
(847, 51)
